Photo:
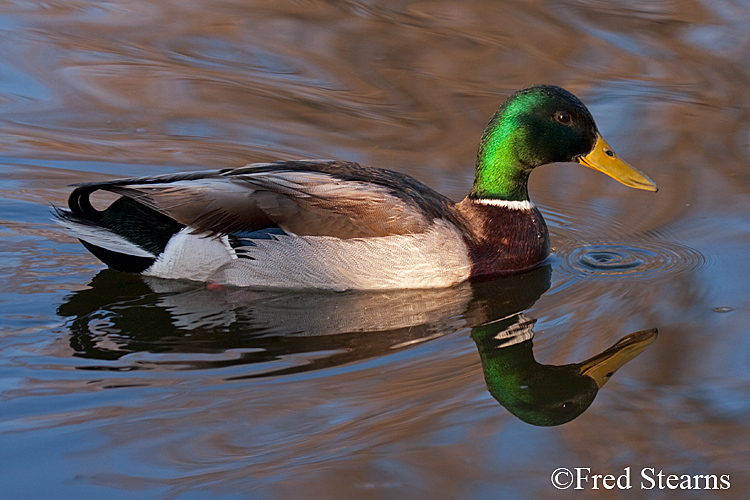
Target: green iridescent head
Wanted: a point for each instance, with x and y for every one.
(539, 125)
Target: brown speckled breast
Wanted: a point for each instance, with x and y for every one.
(503, 240)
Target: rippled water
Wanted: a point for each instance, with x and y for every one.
(118, 387)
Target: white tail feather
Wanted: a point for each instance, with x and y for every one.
(103, 238)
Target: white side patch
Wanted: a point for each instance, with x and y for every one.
(191, 256)
(103, 238)
(512, 205)
(434, 259)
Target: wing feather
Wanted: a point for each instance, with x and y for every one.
(310, 198)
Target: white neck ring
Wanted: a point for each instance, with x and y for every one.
(512, 205)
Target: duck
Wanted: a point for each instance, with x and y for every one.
(338, 225)
(546, 395)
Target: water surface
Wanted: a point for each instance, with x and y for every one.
(113, 386)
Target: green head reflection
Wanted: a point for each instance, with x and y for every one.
(539, 394)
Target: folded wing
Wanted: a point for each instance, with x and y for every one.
(305, 198)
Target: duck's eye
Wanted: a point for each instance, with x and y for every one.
(562, 117)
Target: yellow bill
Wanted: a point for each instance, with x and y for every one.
(604, 159)
(602, 366)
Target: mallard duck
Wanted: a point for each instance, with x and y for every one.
(339, 225)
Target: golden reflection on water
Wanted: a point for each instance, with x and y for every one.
(90, 91)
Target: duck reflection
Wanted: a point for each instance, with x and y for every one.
(136, 323)
(546, 394)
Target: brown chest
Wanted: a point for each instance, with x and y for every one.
(506, 240)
